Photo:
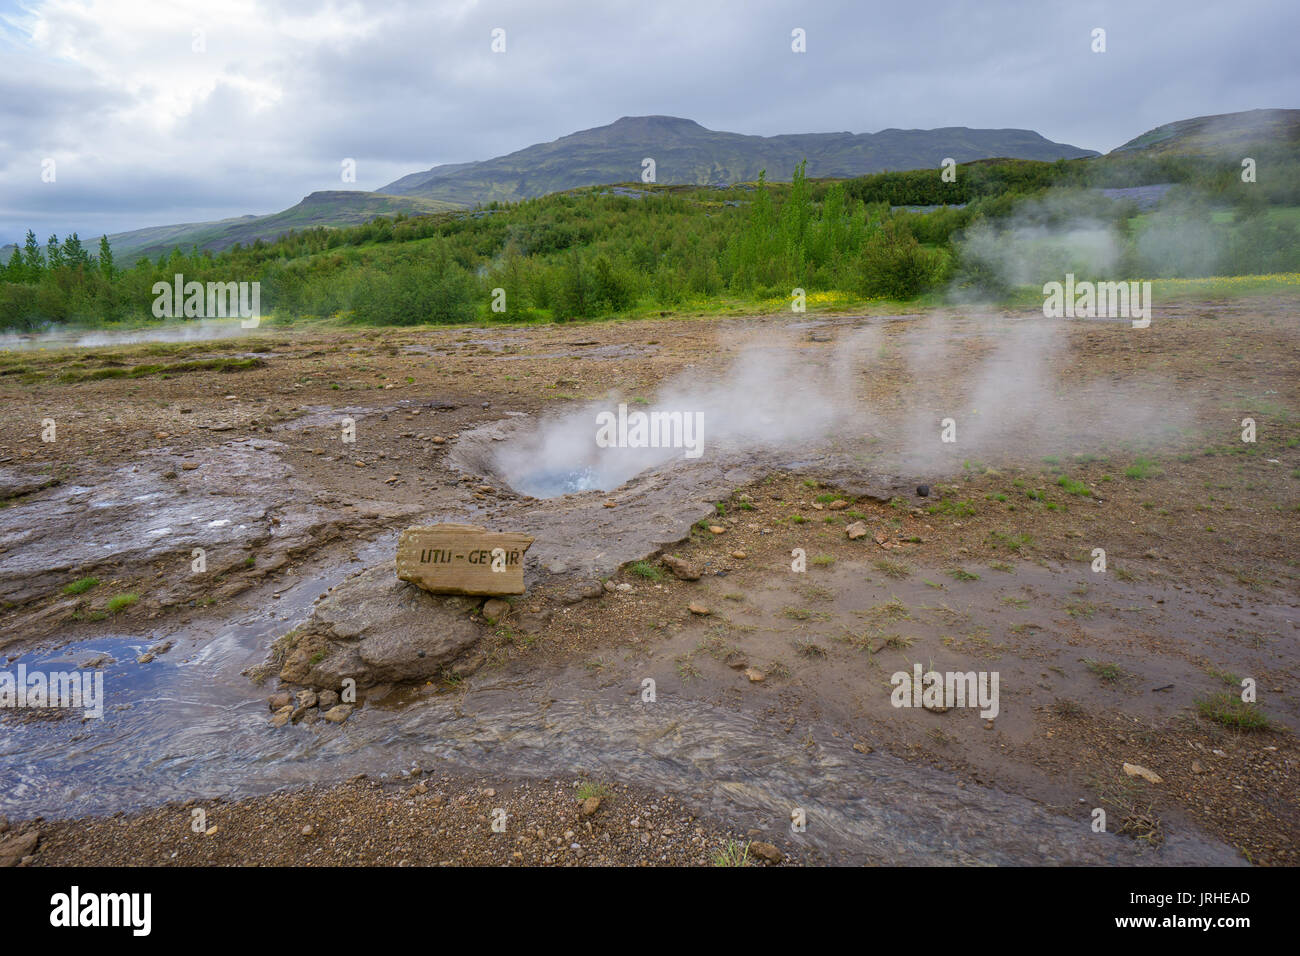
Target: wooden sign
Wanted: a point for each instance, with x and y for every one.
(462, 559)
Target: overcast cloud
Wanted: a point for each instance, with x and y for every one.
(144, 130)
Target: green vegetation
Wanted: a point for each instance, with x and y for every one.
(645, 570)
(602, 251)
(121, 602)
(733, 854)
(80, 586)
(1231, 711)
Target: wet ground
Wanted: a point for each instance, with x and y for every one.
(1105, 441)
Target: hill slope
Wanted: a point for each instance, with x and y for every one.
(1218, 135)
(685, 152)
(324, 208)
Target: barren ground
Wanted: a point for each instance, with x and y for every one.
(991, 571)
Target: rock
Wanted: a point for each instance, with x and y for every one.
(765, 852)
(17, 846)
(4, 824)
(282, 716)
(377, 629)
(1137, 770)
(495, 610)
(717, 529)
(1196, 767)
(306, 829)
(622, 587)
(923, 491)
(326, 699)
(739, 555)
(339, 713)
(582, 592)
(189, 465)
(697, 608)
(839, 504)
(590, 806)
(145, 658)
(856, 530)
(863, 748)
(280, 699)
(755, 675)
(681, 568)
(99, 660)
(306, 698)
(466, 667)
(161, 648)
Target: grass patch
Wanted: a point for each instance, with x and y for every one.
(1107, 672)
(587, 789)
(1074, 487)
(121, 602)
(80, 586)
(644, 569)
(891, 569)
(1229, 710)
(1141, 469)
(733, 854)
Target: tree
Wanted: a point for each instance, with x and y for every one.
(33, 261)
(53, 254)
(75, 254)
(106, 259)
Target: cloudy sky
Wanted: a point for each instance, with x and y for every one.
(163, 112)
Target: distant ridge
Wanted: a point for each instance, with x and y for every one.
(685, 152)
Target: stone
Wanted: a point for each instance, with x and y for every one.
(495, 610)
(326, 699)
(765, 852)
(739, 555)
(582, 592)
(376, 629)
(717, 529)
(923, 491)
(282, 716)
(339, 713)
(280, 699)
(755, 675)
(856, 530)
(306, 698)
(590, 806)
(696, 608)
(839, 504)
(681, 568)
(17, 846)
(1137, 770)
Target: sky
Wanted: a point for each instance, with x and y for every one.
(116, 115)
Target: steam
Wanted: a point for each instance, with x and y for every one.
(880, 394)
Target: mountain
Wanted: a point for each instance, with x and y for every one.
(325, 208)
(687, 153)
(684, 152)
(1226, 133)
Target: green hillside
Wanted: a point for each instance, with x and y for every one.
(325, 208)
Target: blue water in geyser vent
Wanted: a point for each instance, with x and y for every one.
(552, 484)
